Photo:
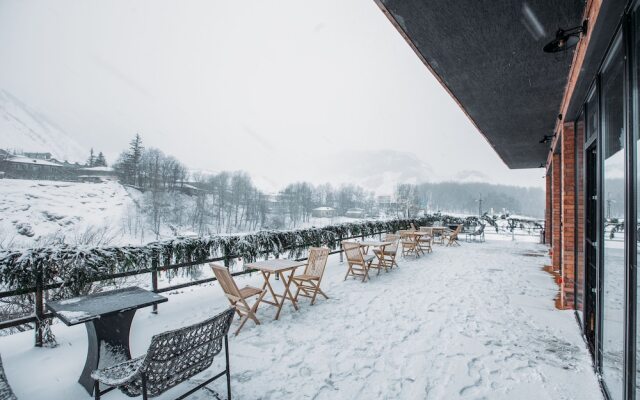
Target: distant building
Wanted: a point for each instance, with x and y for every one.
(38, 156)
(383, 200)
(21, 167)
(93, 174)
(355, 213)
(323, 212)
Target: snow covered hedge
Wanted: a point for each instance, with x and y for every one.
(77, 266)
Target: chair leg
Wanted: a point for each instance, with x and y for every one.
(315, 293)
(243, 320)
(144, 386)
(226, 354)
(96, 390)
(322, 293)
(366, 272)
(348, 271)
(297, 291)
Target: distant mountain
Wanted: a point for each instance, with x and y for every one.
(379, 171)
(24, 129)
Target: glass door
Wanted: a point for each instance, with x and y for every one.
(611, 228)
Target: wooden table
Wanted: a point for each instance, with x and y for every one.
(436, 231)
(107, 317)
(416, 236)
(277, 267)
(365, 244)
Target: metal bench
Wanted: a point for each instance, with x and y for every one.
(5, 390)
(172, 358)
(478, 233)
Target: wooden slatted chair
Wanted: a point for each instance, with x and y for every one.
(408, 243)
(359, 263)
(309, 281)
(387, 258)
(238, 297)
(425, 243)
(452, 237)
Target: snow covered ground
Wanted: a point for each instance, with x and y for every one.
(472, 322)
(32, 210)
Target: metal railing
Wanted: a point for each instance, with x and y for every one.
(39, 317)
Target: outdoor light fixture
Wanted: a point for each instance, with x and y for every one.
(566, 39)
(546, 138)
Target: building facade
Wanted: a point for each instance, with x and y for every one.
(555, 84)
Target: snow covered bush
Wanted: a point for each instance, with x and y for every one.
(76, 267)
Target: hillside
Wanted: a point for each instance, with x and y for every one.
(23, 128)
(43, 211)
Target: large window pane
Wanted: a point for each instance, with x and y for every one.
(613, 275)
(636, 133)
(579, 234)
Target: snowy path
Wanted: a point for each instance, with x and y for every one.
(471, 322)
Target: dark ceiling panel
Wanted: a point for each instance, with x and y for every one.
(488, 54)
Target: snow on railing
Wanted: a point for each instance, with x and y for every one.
(74, 269)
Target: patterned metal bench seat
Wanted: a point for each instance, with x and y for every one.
(172, 358)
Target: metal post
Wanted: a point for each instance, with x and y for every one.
(154, 281)
(39, 309)
(340, 244)
(226, 353)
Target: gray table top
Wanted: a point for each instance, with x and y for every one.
(79, 310)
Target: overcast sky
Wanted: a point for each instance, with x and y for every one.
(281, 89)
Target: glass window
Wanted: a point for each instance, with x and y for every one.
(613, 268)
(636, 133)
(579, 234)
(592, 116)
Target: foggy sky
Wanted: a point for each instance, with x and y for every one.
(277, 88)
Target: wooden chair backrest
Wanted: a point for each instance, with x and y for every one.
(427, 229)
(405, 234)
(392, 238)
(226, 281)
(317, 261)
(353, 252)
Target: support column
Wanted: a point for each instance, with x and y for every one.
(556, 212)
(548, 225)
(568, 204)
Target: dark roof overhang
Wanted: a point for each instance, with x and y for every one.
(488, 56)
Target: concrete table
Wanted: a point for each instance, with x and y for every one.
(107, 317)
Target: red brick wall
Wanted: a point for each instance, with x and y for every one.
(568, 201)
(547, 215)
(556, 212)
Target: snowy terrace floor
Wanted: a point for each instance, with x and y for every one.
(472, 322)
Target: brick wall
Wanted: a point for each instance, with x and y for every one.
(547, 214)
(556, 212)
(568, 201)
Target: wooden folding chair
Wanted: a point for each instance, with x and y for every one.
(452, 238)
(359, 263)
(387, 257)
(409, 244)
(309, 282)
(425, 243)
(238, 297)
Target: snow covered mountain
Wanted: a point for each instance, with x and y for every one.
(23, 128)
